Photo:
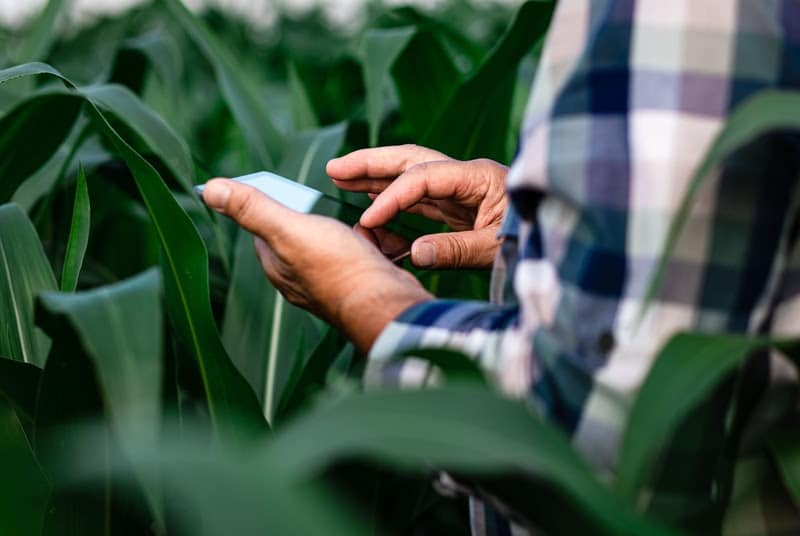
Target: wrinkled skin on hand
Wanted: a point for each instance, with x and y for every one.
(319, 264)
(467, 196)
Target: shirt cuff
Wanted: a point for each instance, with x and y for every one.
(477, 329)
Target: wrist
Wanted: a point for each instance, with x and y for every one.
(364, 312)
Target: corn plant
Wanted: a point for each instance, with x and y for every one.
(151, 379)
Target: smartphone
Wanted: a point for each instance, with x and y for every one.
(298, 196)
(305, 199)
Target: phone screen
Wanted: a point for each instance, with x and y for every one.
(298, 196)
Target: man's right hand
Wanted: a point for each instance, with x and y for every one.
(468, 196)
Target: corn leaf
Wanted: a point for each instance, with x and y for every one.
(785, 449)
(25, 272)
(185, 262)
(261, 330)
(69, 391)
(424, 58)
(43, 32)
(18, 384)
(475, 121)
(379, 51)
(110, 321)
(264, 139)
(691, 364)
(24, 121)
(302, 111)
(436, 429)
(221, 490)
(159, 137)
(25, 491)
(78, 235)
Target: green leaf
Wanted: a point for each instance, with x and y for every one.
(159, 137)
(379, 51)
(185, 268)
(302, 110)
(785, 449)
(424, 59)
(69, 392)
(308, 377)
(454, 365)
(24, 272)
(221, 490)
(260, 329)
(264, 139)
(691, 364)
(764, 112)
(43, 32)
(24, 493)
(475, 121)
(111, 323)
(78, 235)
(18, 384)
(307, 154)
(24, 122)
(466, 430)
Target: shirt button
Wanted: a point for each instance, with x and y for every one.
(606, 342)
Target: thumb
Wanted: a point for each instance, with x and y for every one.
(250, 208)
(464, 249)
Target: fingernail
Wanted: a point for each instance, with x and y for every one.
(216, 195)
(424, 254)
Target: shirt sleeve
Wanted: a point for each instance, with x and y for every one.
(480, 330)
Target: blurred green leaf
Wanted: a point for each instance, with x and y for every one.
(24, 492)
(437, 430)
(424, 58)
(185, 262)
(475, 121)
(222, 490)
(159, 49)
(691, 364)
(26, 273)
(159, 137)
(308, 377)
(264, 139)
(785, 449)
(69, 392)
(78, 235)
(24, 145)
(261, 330)
(765, 112)
(110, 322)
(379, 50)
(18, 384)
(42, 32)
(307, 153)
(302, 110)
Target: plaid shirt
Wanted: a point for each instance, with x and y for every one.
(628, 98)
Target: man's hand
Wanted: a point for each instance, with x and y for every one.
(468, 196)
(320, 264)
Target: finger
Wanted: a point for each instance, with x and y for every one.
(251, 209)
(465, 249)
(460, 181)
(380, 162)
(391, 244)
(369, 234)
(427, 211)
(371, 186)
